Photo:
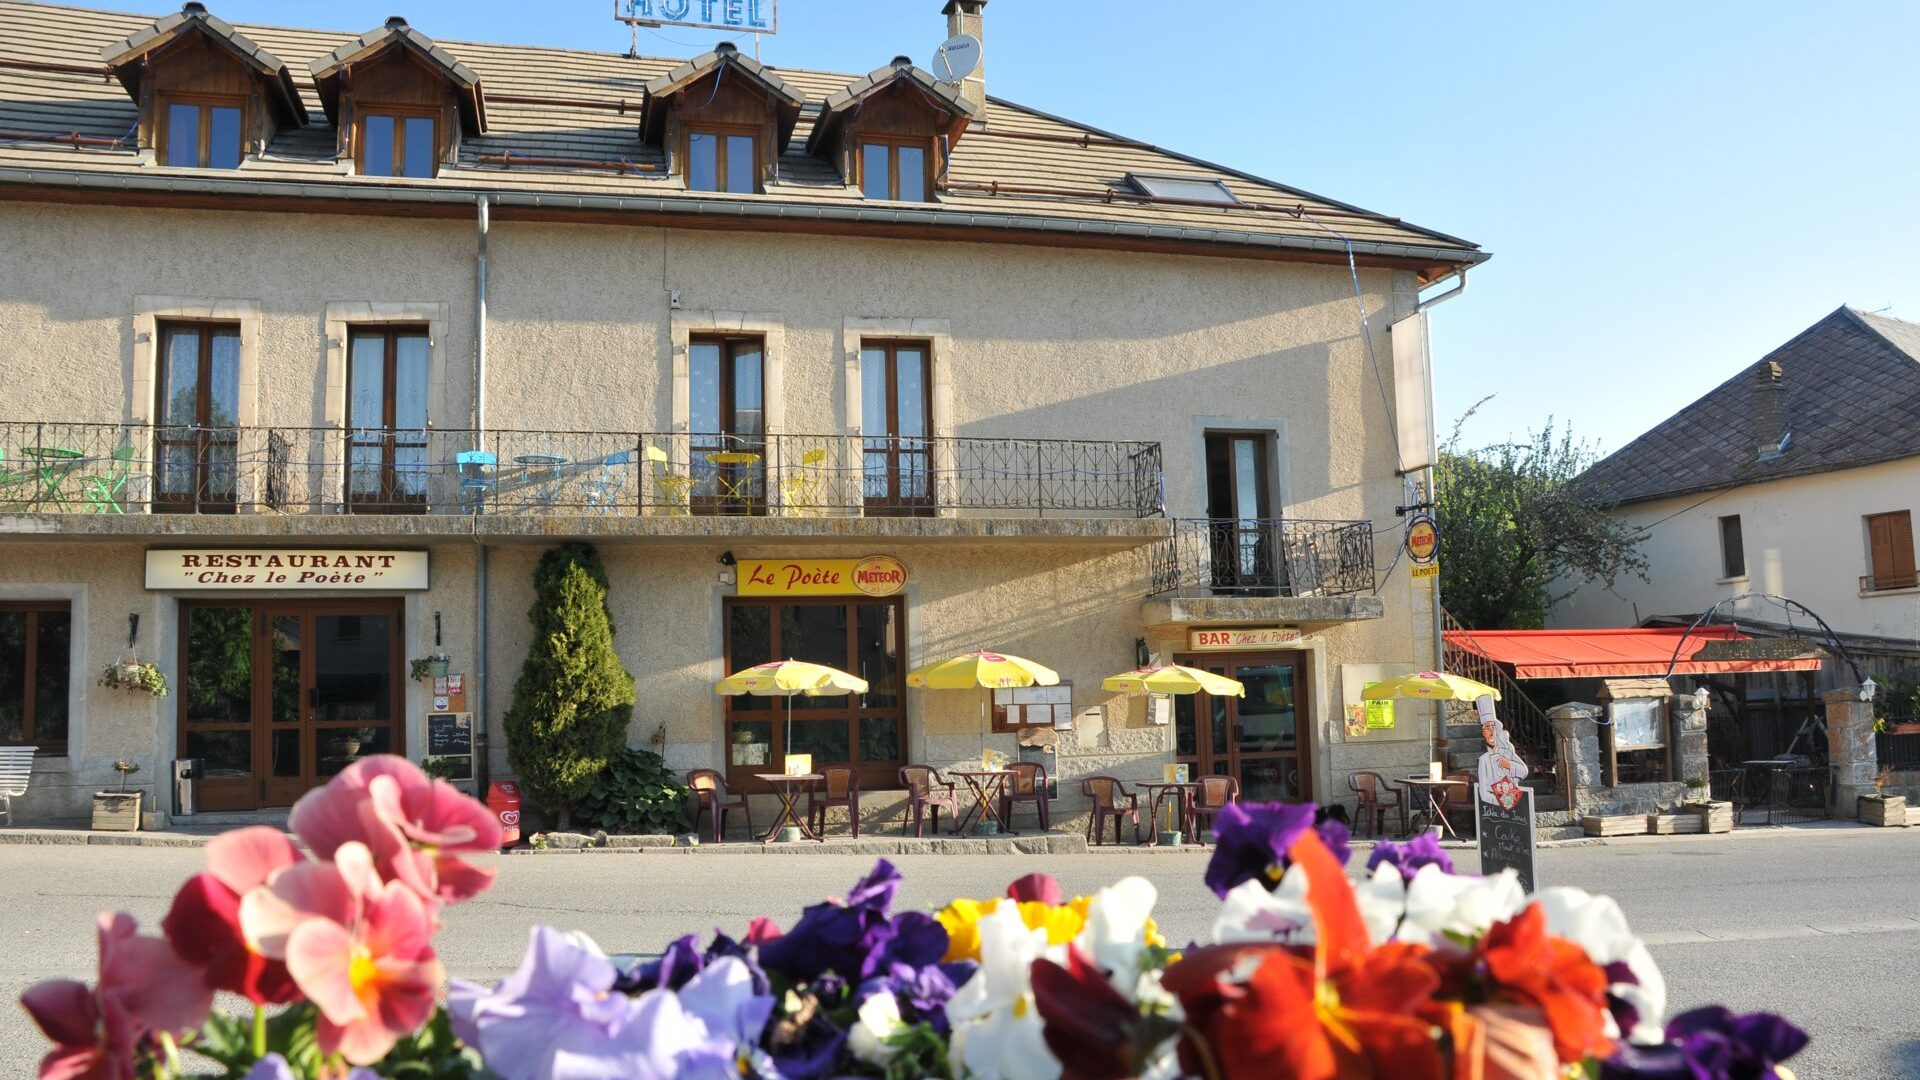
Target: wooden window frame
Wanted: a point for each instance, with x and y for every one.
(729, 436)
(206, 103)
(204, 433)
(893, 145)
(1898, 570)
(720, 132)
(30, 686)
(1732, 568)
(895, 502)
(400, 114)
(882, 776)
(389, 500)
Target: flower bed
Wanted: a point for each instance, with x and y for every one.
(1416, 972)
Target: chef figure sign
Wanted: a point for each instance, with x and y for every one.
(1501, 768)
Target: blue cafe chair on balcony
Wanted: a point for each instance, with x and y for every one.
(604, 487)
(478, 478)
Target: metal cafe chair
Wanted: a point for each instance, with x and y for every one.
(675, 488)
(478, 478)
(102, 490)
(604, 487)
(839, 786)
(802, 487)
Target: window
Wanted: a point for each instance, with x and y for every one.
(1186, 188)
(722, 161)
(202, 134)
(198, 413)
(1733, 549)
(35, 665)
(727, 424)
(895, 170)
(867, 731)
(1890, 552)
(896, 409)
(387, 417)
(399, 144)
(1243, 540)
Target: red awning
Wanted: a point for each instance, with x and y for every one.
(1647, 651)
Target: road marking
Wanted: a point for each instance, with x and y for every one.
(1774, 933)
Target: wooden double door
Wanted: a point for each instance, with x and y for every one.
(1264, 739)
(278, 697)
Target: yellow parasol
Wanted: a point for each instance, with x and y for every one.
(787, 678)
(991, 670)
(1430, 686)
(1173, 679)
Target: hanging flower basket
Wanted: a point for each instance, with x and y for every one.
(135, 677)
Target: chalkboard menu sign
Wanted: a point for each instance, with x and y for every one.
(449, 734)
(1507, 838)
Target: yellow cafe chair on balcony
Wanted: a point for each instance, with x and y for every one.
(803, 487)
(673, 489)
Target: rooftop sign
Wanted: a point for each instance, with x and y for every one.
(746, 16)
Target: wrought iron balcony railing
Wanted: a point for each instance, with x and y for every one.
(1256, 557)
(117, 469)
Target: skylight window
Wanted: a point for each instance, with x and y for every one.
(1190, 188)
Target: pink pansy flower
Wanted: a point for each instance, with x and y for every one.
(358, 947)
(144, 988)
(204, 922)
(412, 824)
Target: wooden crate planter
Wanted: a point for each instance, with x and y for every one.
(116, 811)
(1716, 817)
(1888, 810)
(1618, 825)
(1676, 824)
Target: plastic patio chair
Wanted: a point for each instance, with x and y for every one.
(603, 489)
(1028, 784)
(838, 786)
(802, 487)
(921, 782)
(675, 489)
(101, 491)
(1107, 794)
(710, 793)
(1216, 791)
(478, 478)
(1457, 803)
(1376, 798)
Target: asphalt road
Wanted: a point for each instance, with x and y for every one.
(1822, 924)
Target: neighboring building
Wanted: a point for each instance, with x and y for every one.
(415, 311)
(1799, 478)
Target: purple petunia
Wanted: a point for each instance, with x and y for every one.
(1409, 857)
(1711, 1043)
(1251, 842)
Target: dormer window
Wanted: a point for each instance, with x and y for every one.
(401, 102)
(398, 144)
(900, 170)
(722, 119)
(202, 134)
(722, 160)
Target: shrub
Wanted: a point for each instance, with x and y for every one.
(572, 700)
(638, 794)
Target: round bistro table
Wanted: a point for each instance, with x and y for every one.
(787, 789)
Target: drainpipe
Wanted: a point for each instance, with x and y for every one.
(1433, 475)
(480, 742)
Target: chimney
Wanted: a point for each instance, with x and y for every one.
(1769, 412)
(968, 17)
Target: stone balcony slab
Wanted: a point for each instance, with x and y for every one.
(1304, 611)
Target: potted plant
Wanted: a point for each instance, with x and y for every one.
(135, 677)
(1715, 817)
(429, 667)
(119, 810)
(1881, 808)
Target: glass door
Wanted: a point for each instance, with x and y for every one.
(197, 417)
(896, 413)
(1263, 739)
(387, 419)
(1243, 534)
(727, 430)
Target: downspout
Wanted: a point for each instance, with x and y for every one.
(1433, 477)
(480, 742)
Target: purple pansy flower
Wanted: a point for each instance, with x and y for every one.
(1409, 857)
(856, 938)
(275, 1067)
(1251, 842)
(1711, 1043)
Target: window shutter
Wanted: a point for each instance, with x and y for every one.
(1900, 539)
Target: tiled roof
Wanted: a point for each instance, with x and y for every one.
(1007, 173)
(1852, 398)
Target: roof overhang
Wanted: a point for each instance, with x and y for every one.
(1645, 651)
(127, 58)
(845, 102)
(328, 70)
(725, 60)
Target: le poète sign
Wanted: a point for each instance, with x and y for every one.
(239, 569)
(876, 575)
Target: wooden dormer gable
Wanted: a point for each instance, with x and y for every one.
(897, 102)
(398, 68)
(721, 90)
(192, 55)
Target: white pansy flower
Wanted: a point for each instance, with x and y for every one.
(879, 1021)
(1598, 926)
(997, 1031)
(1115, 933)
(1439, 904)
(1251, 913)
(1382, 900)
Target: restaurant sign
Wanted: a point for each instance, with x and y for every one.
(747, 16)
(876, 575)
(238, 569)
(1239, 639)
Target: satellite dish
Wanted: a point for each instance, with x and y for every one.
(956, 58)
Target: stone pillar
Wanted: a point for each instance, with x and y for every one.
(1579, 737)
(1689, 713)
(1850, 750)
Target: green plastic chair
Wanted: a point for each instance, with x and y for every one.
(102, 491)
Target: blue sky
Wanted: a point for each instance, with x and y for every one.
(1669, 189)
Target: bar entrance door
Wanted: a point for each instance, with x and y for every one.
(1264, 739)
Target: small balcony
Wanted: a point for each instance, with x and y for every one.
(1264, 558)
(108, 469)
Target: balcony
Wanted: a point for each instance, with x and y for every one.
(1292, 570)
(115, 470)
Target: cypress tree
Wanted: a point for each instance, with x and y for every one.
(572, 701)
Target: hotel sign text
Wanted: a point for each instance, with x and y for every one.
(232, 569)
(746, 16)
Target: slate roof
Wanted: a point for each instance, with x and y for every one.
(590, 110)
(1852, 398)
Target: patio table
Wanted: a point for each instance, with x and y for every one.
(734, 474)
(1160, 792)
(1434, 792)
(544, 471)
(54, 463)
(987, 787)
(787, 789)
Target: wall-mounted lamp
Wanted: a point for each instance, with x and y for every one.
(436, 630)
(1141, 657)
(727, 563)
(133, 629)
